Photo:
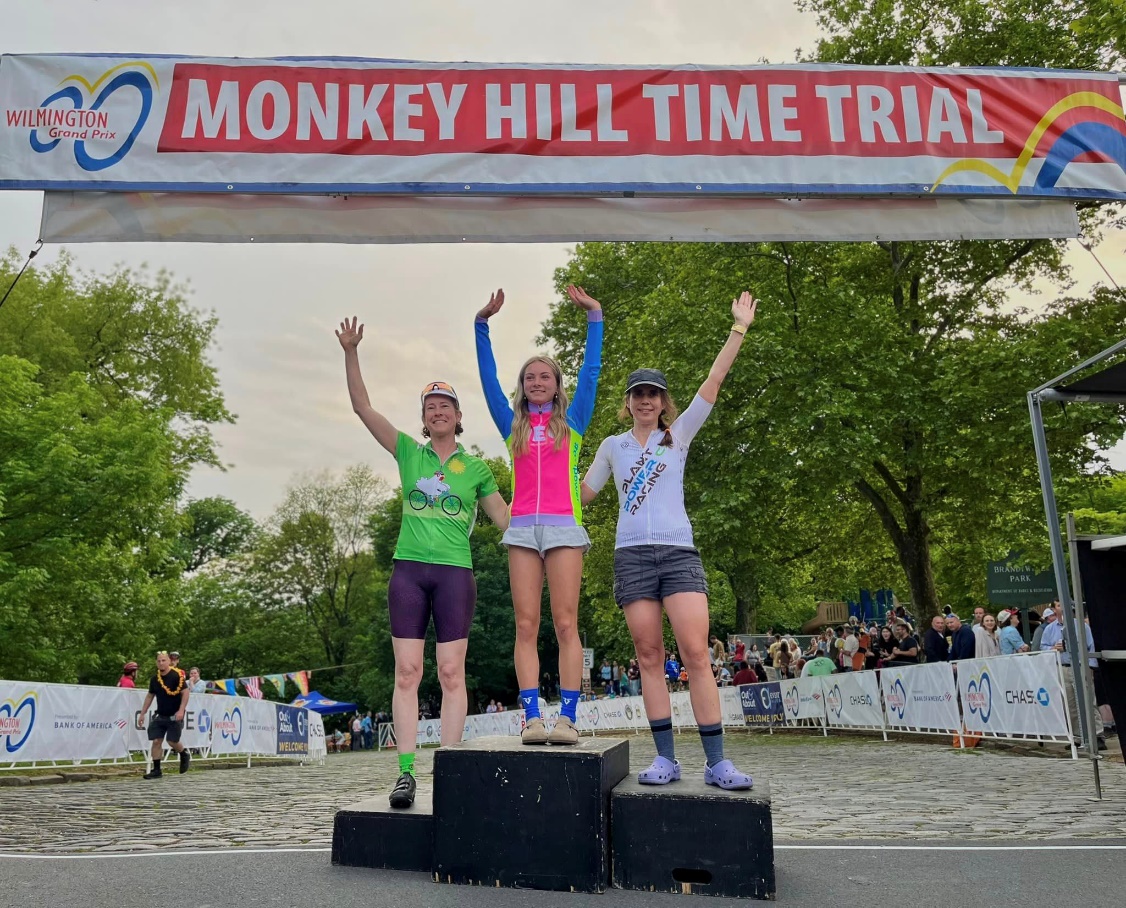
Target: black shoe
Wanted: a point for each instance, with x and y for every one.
(402, 795)
(154, 774)
(1102, 743)
(185, 761)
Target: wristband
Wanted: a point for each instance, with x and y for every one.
(739, 329)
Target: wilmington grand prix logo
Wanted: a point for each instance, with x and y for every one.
(101, 119)
(979, 696)
(17, 717)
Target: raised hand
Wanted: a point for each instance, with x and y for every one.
(743, 309)
(491, 308)
(349, 335)
(581, 298)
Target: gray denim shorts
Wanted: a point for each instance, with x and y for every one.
(657, 571)
(545, 538)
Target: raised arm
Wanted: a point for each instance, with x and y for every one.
(581, 410)
(743, 312)
(386, 434)
(497, 510)
(499, 408)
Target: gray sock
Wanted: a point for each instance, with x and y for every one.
(662, 737)
(711, 736)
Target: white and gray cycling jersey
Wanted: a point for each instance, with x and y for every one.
(650, 480)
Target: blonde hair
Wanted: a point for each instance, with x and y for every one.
(666, 419)
(557, 426)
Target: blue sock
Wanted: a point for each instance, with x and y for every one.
(570, 703)
(711, 736)
(662, 737)
(530, 700)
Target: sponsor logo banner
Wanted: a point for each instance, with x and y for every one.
(1013, 695)
(762, 703)
(802, 698)
(293, 730)
(317, 125)
(921, 696)
(852, 700)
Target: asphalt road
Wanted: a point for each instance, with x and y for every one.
(996, 873)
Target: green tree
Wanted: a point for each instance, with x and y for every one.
(87, 514)
(213, 529)
(132, 336)
(316, 555)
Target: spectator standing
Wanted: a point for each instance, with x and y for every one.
(963, 644)
(979, 615)
(128, 675)
(885, 643)
(719, 652)
(368, 730)
(195, 683)
(783, 660)
(1046, 619)
(986, 643)
(934, 641)
(607, 674)
(849, 648)
(616, 679)
(740, 654)
(357, 732)
(1055, 639)
(633, 678)
(492, 707)
(672, 671)
(774, 649)
(905, 651)
(1009, 634)
(863, 642)
(754, 657)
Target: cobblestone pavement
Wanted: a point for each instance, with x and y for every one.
(823, 789)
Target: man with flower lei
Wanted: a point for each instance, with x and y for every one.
(170, 688)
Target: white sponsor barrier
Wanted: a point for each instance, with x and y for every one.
(852, 700)
(803, 702)
(1014, 696)
(921, 698)
(72, 723)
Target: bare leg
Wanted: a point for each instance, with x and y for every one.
(404, 702)
(564, 577)
(455, 704)
(525, 573)
(688, 615)
(646, 627)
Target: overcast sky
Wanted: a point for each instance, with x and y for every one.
(279, 363)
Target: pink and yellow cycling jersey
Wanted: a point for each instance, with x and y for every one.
(545, 481)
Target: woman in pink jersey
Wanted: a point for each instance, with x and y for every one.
(545, 534)
(656, 564)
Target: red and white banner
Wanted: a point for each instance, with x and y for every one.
(315, 126)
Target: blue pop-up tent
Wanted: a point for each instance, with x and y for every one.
(319, 703)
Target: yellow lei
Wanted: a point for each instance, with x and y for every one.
(178, 690)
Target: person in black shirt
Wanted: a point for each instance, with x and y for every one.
(934, 643)
(963, 643)
(905, 651)
(170, 688)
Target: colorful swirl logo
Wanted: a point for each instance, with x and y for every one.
(897, 698)
(17, 720)
(834, 700)
(231, 726)
(87, 121)
(979, 696)
(791, 701)
(1087, 138)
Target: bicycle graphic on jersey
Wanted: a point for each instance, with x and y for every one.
(433, 491)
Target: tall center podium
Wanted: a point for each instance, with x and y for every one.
(565, 819)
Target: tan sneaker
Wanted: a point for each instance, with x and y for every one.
(535, 732)
(564, 732)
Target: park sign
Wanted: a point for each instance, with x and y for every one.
(1010, 582)
(343, 125)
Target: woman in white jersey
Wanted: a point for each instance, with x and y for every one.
(655, 562)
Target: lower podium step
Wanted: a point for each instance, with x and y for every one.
(372, 834)
(527, 817)
(691, 837)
